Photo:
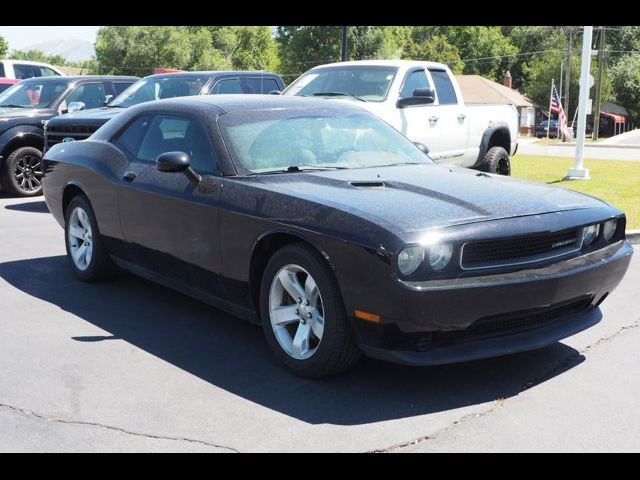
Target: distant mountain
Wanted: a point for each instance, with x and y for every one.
(72, 49)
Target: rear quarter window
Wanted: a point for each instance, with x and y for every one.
(1, 69)
(444, 87)
(262, 84)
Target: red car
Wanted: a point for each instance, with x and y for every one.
(6, 83)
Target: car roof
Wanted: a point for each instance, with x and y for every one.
(76, 78)
(384, 63)
(25, 62)
(211, 73)
(247, 102)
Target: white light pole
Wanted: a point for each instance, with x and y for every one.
(579, 172)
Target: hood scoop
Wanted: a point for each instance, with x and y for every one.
(372, 184)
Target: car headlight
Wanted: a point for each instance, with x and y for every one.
(610, 227)
(589, 234)
(440, 255)
(410, 259)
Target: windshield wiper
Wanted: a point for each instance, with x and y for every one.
(12, 106)
(337, 94)
(300, 168)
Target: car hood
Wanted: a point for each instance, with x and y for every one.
(415, 197)
(11, 113)
(95, 116)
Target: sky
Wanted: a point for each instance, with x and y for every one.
(20, 37)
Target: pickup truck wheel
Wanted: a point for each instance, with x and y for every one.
(22, 172)
(496, 160)
(303, 315)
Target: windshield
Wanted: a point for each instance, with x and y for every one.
(149, 89)
(284, 139)
(33, 94)
(370, 83)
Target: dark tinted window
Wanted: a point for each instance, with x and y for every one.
(414, 80)
(230, 85)
(91, 94)
(131, 138)
(169, 133)
(1, 69)
(4, 86)
(24, 71)
(120, 87)
(261, 85)
(46, 72)
(156, 88)
(444, 87)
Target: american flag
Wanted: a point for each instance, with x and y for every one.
(556, 107)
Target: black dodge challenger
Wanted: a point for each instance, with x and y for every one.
(334, 231)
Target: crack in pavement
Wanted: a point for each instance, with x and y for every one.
(497, 404)
(30, 413)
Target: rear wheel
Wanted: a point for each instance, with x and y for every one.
(303, 316)
(87, 255)
(22, 172)
(497, 161)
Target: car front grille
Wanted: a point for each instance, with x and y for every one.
(57, 133)
(519, 250)
(515, 322)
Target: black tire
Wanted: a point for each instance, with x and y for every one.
(22, 172)
(101, 266)
(337, 351)
(496, 160)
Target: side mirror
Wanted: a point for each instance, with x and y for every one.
(75, 107)
(421, 96)
(422, 147)
(172, 162)
(275, 92)
(107, 99)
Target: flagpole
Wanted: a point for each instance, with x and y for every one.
(550, 100)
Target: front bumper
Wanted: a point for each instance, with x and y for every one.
(444, 309)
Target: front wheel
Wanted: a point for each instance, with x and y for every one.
(22, 172)
(303, 315)
(497, 161)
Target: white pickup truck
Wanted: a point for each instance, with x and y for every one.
(423, 101)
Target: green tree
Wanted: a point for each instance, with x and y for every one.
(38, 56)
(4, 46)
(128, 50)
(435, 49)
(625, 79)
(304, 47)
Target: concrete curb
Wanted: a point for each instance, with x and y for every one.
(633, 236)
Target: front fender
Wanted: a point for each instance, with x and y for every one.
(20, 135)
(502, 127)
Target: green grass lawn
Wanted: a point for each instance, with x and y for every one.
(614, 181)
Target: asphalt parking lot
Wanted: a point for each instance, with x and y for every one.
(132, 366)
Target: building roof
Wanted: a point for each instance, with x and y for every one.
(478, 89)
(609, 107)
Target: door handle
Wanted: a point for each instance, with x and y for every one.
(462, 116)
(129, 176)
(434, 118)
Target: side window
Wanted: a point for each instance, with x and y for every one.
(23, 71)
(1, 69)
(417, 79)
(46, 72)
(170, 133)
(91, 94)
(131, 138)
(120, 87)
(444, 87)
(230, 85)
(261, 85)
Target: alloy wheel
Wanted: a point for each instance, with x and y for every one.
(28, 173)
(80, 238)
(296, 311)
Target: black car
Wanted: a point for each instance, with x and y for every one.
(542, 128)
(329, 227)
(81, 125)
(24, 108)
